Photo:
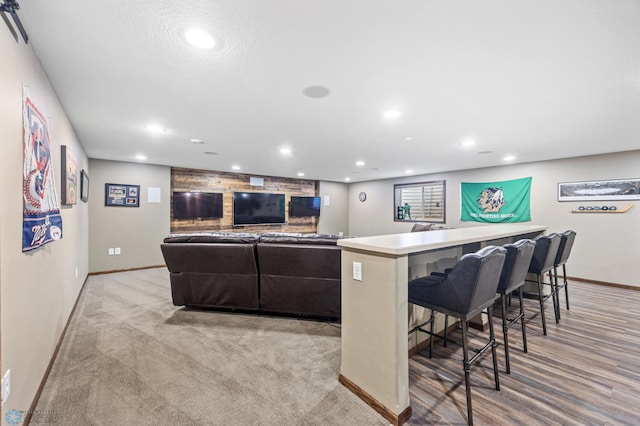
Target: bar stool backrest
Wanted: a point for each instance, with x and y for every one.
(474, 279)
(566, 244)
(544, 255)
(516, 265)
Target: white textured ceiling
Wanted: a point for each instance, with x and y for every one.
(536, 79)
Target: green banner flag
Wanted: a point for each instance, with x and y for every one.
(496, 202)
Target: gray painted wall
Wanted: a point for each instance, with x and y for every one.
(38, 289)
(605, 244)
(334, 218)
(138, 231)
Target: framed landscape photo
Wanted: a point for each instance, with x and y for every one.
(84, 186)
(600, 190)
(120, 195)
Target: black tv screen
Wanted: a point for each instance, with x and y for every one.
(304, 206)
(197, 205)
(254, 208)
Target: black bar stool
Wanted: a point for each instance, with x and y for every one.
(465, 292)
(564, 250)
(544, 256)
(514, 273)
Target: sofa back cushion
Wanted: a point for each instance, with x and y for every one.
(213, 237)
(300, 277)
(313, 239)
(217, 258)
(299, 260)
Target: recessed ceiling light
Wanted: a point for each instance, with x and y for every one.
(200, 39)
(468, 143)
(141, 157)
(509, 158)
(408, 138)
(316, 92)
(154, 128)
(409, 171)
(285, 151)
(300, 174)
(347, 179)
(197, 141)
(235, 167)
(392, 113)
(360, 163)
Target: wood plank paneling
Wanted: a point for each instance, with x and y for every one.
(228, 183)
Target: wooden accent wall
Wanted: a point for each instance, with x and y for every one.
(227, 184)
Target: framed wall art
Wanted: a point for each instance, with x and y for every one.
(84, 186)
(69, 177)
(600, 190)
(120, 195)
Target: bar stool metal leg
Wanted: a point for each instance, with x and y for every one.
(446, 331)
(432, 334)
(494, 344)
(566, 287)
(554, 296)
(524, 329)
(505, 331)
(467, 368)
(541, 297)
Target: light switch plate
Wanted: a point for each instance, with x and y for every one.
(357, 271)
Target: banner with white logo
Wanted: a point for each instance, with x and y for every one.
(496, 202)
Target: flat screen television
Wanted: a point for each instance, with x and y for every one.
(304, 206)
(258, 208)
(197, 205)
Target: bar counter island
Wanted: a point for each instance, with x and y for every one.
(376, 316)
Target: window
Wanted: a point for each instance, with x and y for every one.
(420, 202)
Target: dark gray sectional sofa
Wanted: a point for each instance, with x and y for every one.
(294, 274)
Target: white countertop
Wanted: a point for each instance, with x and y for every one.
(412, 242)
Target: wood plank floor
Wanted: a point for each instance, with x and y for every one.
(586, 371)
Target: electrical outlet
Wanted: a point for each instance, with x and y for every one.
(117, 251)
(111, 252)
(6, 386)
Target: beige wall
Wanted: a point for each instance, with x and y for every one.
(334, 218)
(138, 231)
(38, 289)
(605, 243)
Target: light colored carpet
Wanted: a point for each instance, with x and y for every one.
(132, 358)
